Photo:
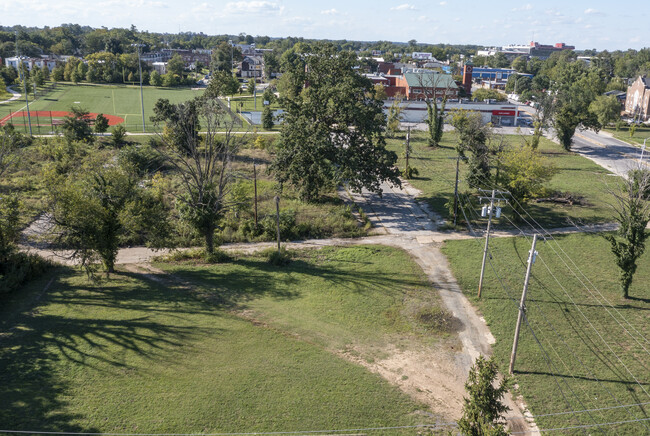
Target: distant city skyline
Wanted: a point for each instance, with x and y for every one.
(585, 24)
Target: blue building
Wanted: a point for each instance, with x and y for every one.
(495, 74)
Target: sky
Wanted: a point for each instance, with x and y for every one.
(604, 25)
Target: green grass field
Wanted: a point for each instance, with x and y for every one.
(577, 175)
(593, 361)
(248, 347)
(640, 134)
(120, 100)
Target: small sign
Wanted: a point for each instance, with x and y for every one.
(266, 103)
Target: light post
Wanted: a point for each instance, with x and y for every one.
(137, 46)
(21, 66)
(232, 59)
(643, 149)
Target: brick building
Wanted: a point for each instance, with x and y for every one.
(637, 101)
(422, 85)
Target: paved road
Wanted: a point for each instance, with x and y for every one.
(15, 95)
(613, 154)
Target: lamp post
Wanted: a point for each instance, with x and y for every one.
(21, 66)
(137, 46)
(643, 149)
(232, 59)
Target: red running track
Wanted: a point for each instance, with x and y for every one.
(112, 119)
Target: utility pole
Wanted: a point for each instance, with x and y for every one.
(456, 191)
(522, 305)
(487, 233)
(407, 151)
(24, 80)
(255, 189)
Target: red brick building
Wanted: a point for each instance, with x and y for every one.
(637, 102)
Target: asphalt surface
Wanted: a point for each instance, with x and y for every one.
(617, 156)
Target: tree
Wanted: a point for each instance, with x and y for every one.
(573, 90)
(473, 135)
(333, 127)
(429, 83)
(176, 65)
(155, 79)
(117, 136)
(222, 83)
(380, 92)
(394, 118)
(76, 126)
(250, 86)
(203, 162)
(224, 56)
(101, 123)
(9, 205)
(483, 410)
(523, 171)
(267, 118)
(520, 64)
(632, 213)
(606, 108)
(96, 211)
(488, 94)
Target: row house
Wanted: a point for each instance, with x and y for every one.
(49, 61)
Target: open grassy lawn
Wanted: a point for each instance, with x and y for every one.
(247, 103)
(640, 134)
(577, 175)
(120, 100)
(135, 355)
(595, 355)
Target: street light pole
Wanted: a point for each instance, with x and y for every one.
(137, 46)
(232, 59)
(643, 149)
(24, 80)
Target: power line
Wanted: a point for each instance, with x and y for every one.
(427, 426)
(546, 357)
(582, 411)
(577, 427)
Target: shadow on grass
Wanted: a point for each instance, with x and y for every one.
(232, 289)
(37, 344)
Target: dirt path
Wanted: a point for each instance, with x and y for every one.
(434, 377)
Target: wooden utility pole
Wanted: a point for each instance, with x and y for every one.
(255, 190)
(487, 233)
(277, 218)
(522, 304)
(408, 150)
(456, 191)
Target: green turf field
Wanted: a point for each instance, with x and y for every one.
(119, 100)
(250, 348)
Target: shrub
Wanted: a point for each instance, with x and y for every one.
(143, 160)
(278, 258)
(118, 136)
(19, 268)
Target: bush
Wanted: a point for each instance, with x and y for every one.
(143, 160)
(195, 254)
(118, 136)
(19, 268)
(278, 258)
(287, 225)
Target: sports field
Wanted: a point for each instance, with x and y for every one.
(120, 100)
